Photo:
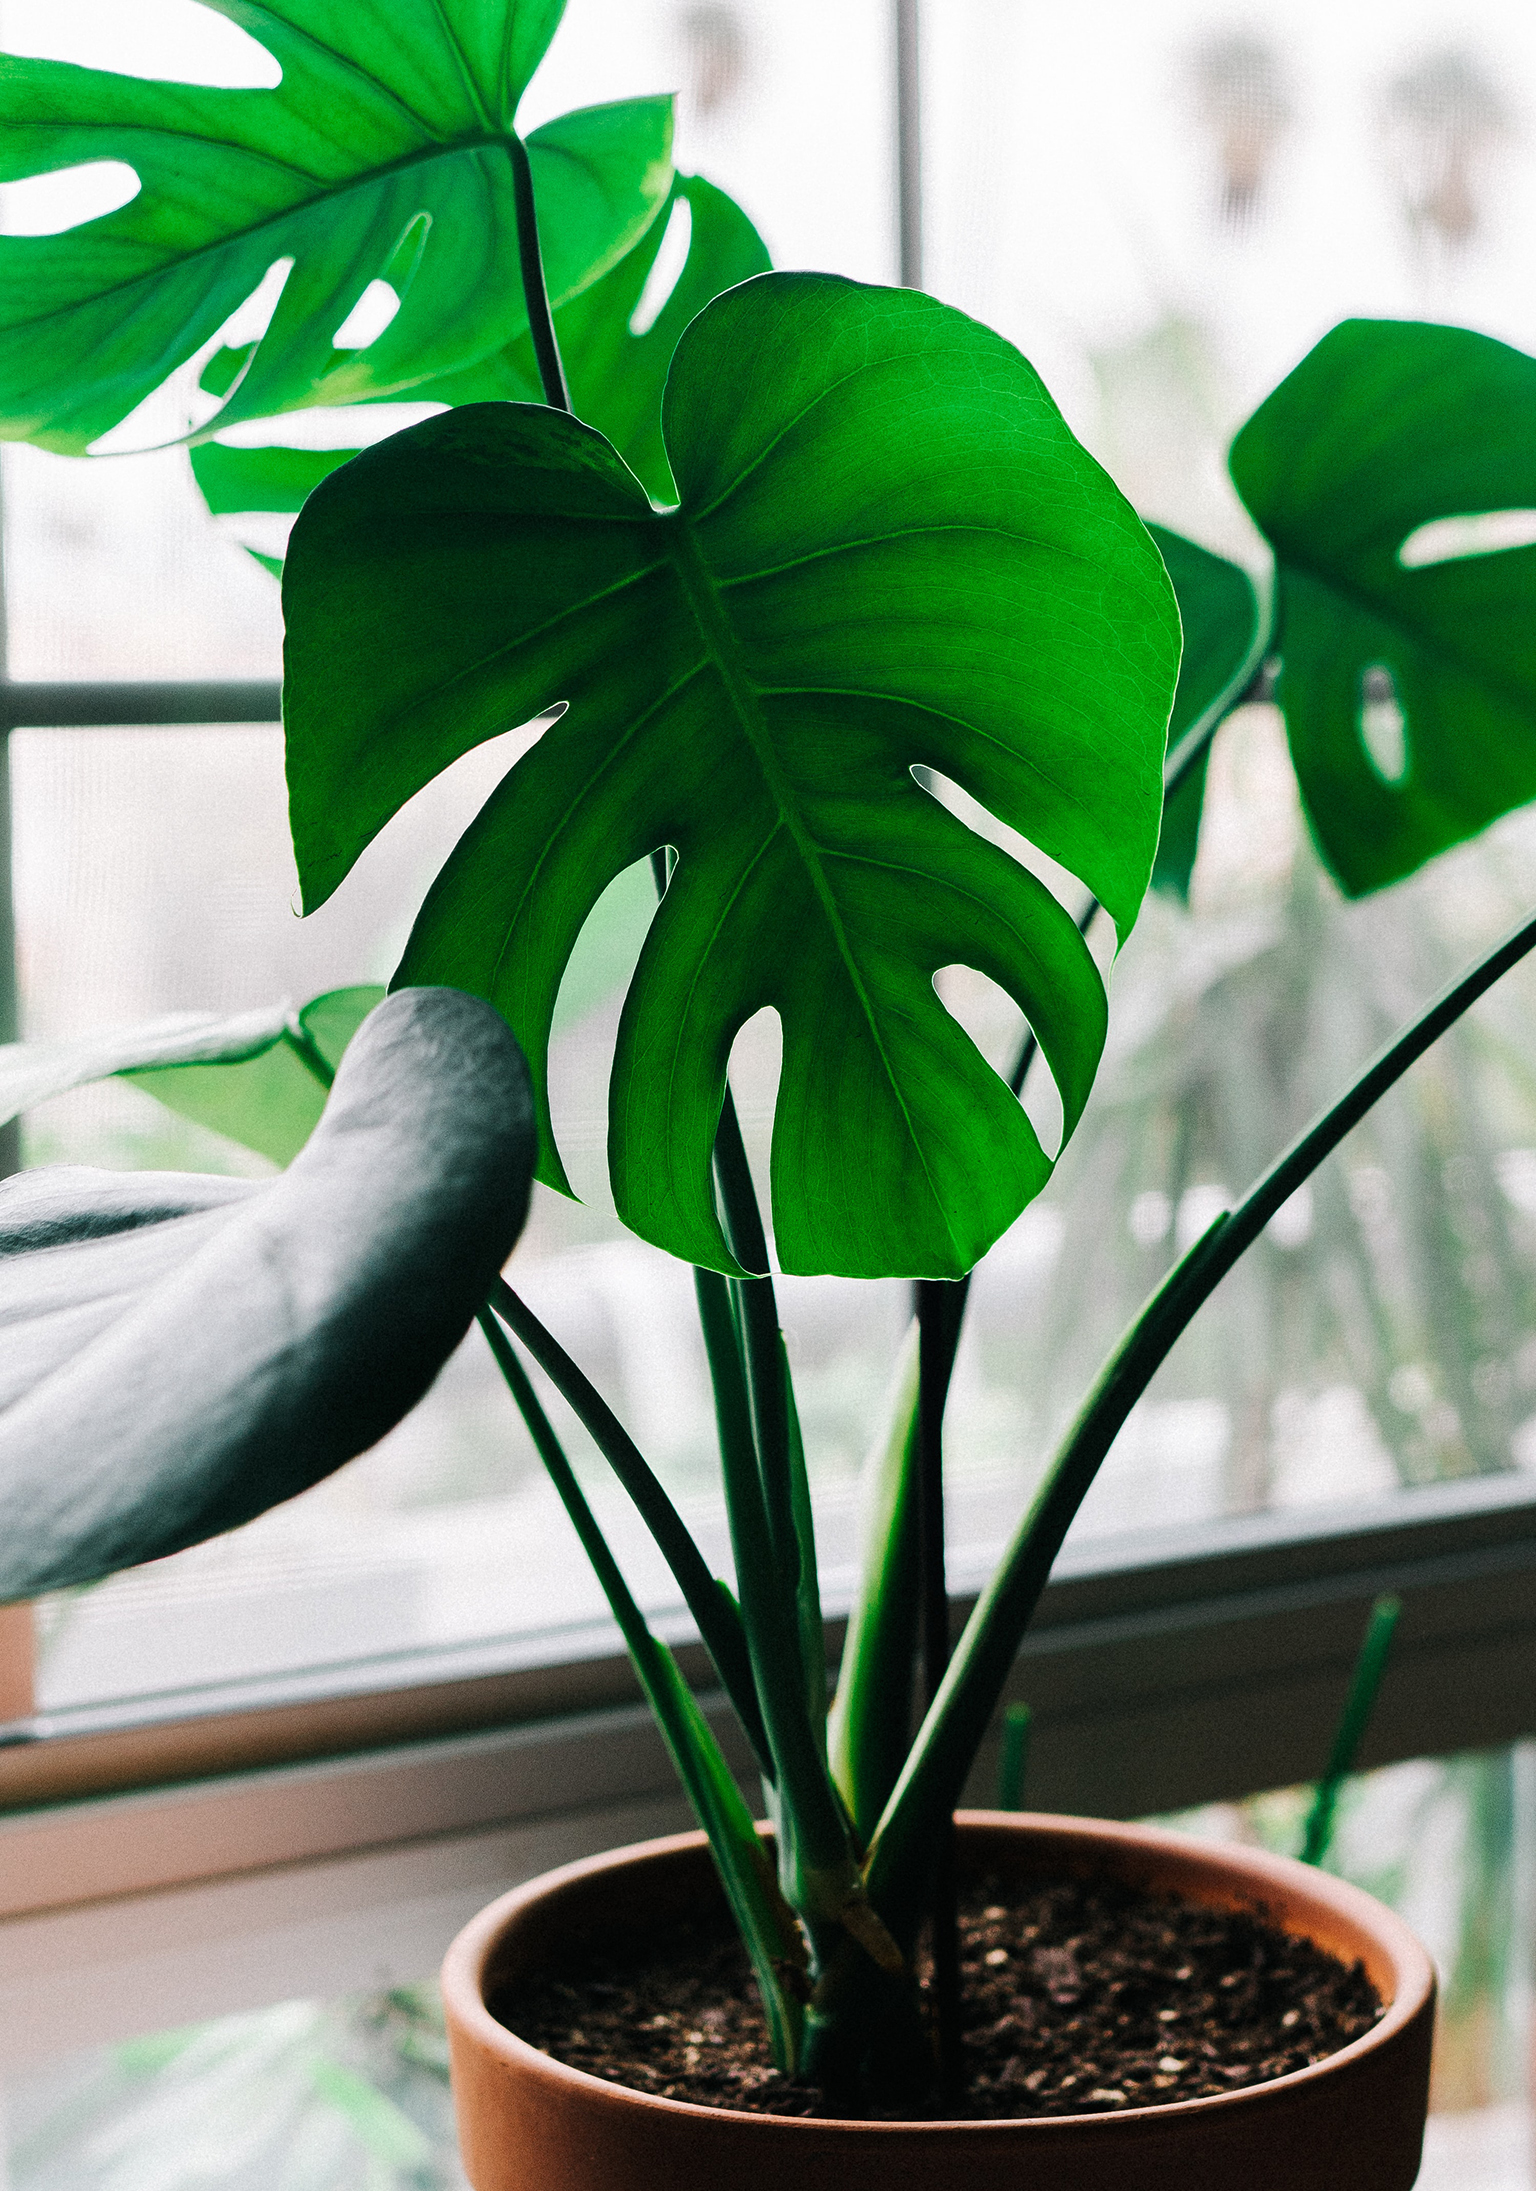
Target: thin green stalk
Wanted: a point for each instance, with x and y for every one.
(713, 1610)
(541, 325)
(870, 1729)
(766, 1923)
(760, 1348)
(812, 1630)
(761, 1342)
(1364, 1688)
(940, 1306)
(816, 1854)
(1014, 1762)
(952, 1732)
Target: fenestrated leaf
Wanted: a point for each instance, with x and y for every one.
(890, 552)
(1219, 610)
(1386, 427)
(615, 375)
(181, 1353)
(382, 155)
(270, 1102)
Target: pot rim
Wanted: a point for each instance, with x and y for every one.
(464, 1967)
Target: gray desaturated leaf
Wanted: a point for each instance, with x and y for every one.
(181, 1353)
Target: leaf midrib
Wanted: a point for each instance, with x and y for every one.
(699, 591)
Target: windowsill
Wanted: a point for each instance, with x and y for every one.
(1143, 1624)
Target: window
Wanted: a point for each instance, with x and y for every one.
(381, 1689)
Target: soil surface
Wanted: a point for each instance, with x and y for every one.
(1082, 1998)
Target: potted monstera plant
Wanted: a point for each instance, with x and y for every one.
(853, 554)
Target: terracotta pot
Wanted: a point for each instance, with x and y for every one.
(527, 2123)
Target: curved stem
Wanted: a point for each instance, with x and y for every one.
(766, 1924)
(541, 324)
(718, 1622)
(1359, 1704)
(814, 1838)
(940, 1307)
(952, 1732)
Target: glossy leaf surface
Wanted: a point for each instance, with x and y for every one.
(1409, 685)
(182, 1353)
(890, 552)
(1219, 611)
(381, 156)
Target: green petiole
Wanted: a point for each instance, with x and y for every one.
(953, 1729)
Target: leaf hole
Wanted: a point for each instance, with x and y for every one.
(1383, 725)
(599, 969)
(50, 205)
(666, 269)
(368, 318)
(182, 399)
(177, 41)
(1454, 539)
(995, 1024)
(756, 1065)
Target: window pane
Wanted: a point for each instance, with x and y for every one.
(114, 569)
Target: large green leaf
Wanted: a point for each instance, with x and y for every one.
(181, 1353)
(1386, 427)
(383, 154)
(616, 376)
(1219, 611)
(890, 553)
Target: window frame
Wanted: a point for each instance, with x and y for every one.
(179, 1857)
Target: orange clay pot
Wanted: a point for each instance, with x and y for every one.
(527, 2123)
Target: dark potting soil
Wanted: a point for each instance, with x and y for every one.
(1080, 1998)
